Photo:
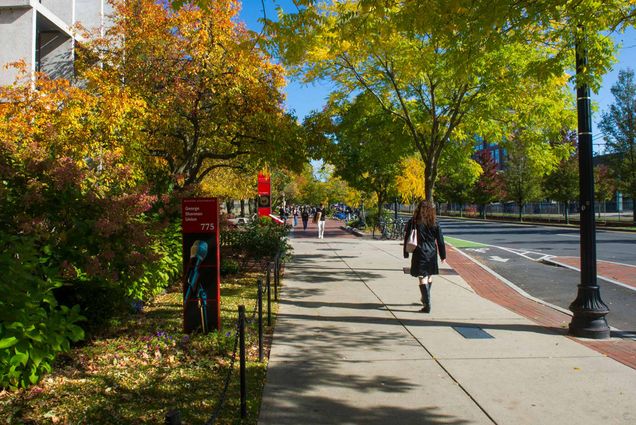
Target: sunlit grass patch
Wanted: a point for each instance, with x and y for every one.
(461, 243)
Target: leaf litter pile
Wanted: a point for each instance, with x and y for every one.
(144, 366)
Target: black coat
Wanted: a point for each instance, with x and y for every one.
(429, 240)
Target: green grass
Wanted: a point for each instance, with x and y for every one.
(461, 243)
(144, 366)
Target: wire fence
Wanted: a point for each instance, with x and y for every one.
(173, 417)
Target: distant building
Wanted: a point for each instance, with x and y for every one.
(497, 153)
(39, 32)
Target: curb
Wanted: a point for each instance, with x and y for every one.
(549, 261)
(352, 230)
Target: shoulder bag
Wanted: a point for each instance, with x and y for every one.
(411, 242)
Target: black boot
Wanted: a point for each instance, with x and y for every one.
(426, 299)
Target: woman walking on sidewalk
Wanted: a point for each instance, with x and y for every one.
(320, 217)
(429, 241)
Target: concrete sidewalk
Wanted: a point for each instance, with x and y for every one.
(351, 348)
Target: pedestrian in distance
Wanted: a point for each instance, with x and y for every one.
(304, 215)
(320, 217)
(430, 241)
(295, 212)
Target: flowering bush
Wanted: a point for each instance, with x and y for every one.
(73, 189)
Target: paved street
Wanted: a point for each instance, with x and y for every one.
(513, 250)
(558, 241)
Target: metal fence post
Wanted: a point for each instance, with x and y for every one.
(276, 274)
(241, 312)
(260, 319)
(173, 417)
(269, 294)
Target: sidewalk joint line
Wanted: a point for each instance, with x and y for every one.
(389, 310)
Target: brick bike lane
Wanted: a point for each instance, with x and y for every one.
(623, 273)
(490, 287)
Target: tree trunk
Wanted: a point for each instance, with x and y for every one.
(380, 203)
(520, 212)
(567, 215)
(242, 207)
(429, 181)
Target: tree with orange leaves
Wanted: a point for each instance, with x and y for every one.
(213, 97)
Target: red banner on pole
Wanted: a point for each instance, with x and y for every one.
(264, 195)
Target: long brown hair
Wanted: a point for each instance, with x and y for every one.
(425, 214)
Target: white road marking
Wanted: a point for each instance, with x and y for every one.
(497, 258)
(481, 250)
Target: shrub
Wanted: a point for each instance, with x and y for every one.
(33, 328)
(259, 240)
(163, 269)
(356, 223)
(229, 266)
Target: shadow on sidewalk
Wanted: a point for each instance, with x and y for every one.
(325, 410)
(316, 304)
(312, 275)
(321, 366)
(424, 322)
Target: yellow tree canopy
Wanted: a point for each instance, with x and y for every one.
(410, 183)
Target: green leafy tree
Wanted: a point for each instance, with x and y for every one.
(562, 184)
(365, 146)
(446, 70)
(619, 128)
(458, 174)
(604, 185)
(522, 177)
(489, 185)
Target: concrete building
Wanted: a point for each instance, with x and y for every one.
(39, 32)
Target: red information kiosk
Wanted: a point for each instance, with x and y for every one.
(201, 261)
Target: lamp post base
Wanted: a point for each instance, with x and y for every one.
(589, 311)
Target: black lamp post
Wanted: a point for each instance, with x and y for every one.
(362, 218)
(588, 308)
(396, 209)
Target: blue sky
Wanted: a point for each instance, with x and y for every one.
(305, 98)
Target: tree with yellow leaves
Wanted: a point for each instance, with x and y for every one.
(410, 182)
